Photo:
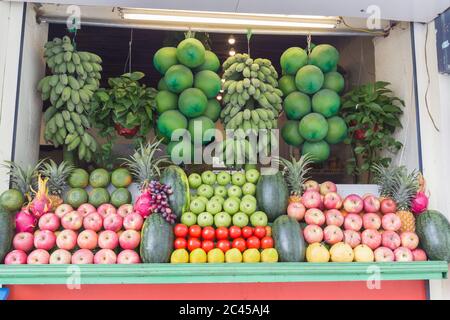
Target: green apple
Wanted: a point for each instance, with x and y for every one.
(234, 191)
(197, 206)
(258, 219)
(247, 206)
(220, 199)
(250, 166)
(231, 205)
(220, 191)
(240, 219)
(205, 219)
(252, 175)
(238, 179)
(249, 188)
(205, 190)
(213, 207)
(194, 180)
(203, 198)
(209, 177)
(223, 178)
(249, 197)
(222, 219)
(188, 218)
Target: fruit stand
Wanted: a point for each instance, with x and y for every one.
(279, 169)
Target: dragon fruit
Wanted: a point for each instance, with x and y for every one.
(143, 204)
(41, 204)
(25, 221)
(419, 203)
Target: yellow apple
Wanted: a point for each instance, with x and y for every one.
(341, 252)
(363, 253)
(317, 252)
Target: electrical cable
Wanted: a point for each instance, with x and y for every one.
(379, 33)
(428, 81)
(128, 60)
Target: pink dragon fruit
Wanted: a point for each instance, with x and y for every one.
(420, 203)
(25, 221)
(143, 204)
(41, 204)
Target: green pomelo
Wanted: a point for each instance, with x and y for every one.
(170, 121)
(287, 84)
(199, 126)
(121, 178)
(160, 136)
(12, 200)
(76, 197)
(326, 102)
(293, 59)
(209, 82)
(191, 53)
(164, 58)
(313, 127)
(192, 102)
(79, 178)
(162, 85)
(320, 151)
(166, 100)
(334, 81)
(99, 196)
(120, 196)
(99, 178)
(309, 79)
(211, 62)
(297, 105)
(179, 78)
(213, 110)
(324, 56)
(176, 150)
(337, 130)
(290, 133)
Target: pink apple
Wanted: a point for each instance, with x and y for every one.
(85, 209)
(334, 217)
(403, 254)
(311, 199)
(106, 209)
(38, 256)
(87, 239)
(23, 241)
(327, 187)
(371, 238)
(390, 239)
(49, 221)
(72, 220)
(93, 221)
(44, 239)
(371, 221)
(125, 210)
(352, 238)
(296, 210)
(62, 209)
(332, 201)
(60, 256)
(66, 239)
(353, 221)
(16, 257)
(371, 204)
(129, 239)
(83, 256)
(312, 185)
(409, 240)
(419, 255)
(333, 234)
(314, 216)
(128, 257)
(388, 206)
(313, 233)
(105, 256)
(108, 239)
(391, 222)
(383, 254)
(133, 221)
(112, 222)
(353, 203)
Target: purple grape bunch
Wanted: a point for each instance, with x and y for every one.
(160, 200)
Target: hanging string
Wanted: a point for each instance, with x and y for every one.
(308, 41)
(128, 60)
(249, 36)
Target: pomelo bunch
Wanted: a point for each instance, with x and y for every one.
(311, 87)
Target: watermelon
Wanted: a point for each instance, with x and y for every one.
(272, 195)
(6, 232)
(433, 230)
(288, 239)
(176, 178)
(156, 240)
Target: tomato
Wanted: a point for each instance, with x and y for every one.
(180, 243)
(268, 231)
(221, 233)
(193, 243)
(181, 230)
(207, 245)
(267, 242)
(253, 242)
(235, 232)
(195, 231)
(239, 243)
(223, 245)
(259, 232)
(247, 232)
(208, 233)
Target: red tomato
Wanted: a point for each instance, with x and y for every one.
(180, 243)
(268, 231)
(207, 245)
(239, 243)
(247, 232)
(208, 233)
(235, 232)
(253, 242)
(195, 231)
(223, 245)
(181, 230)
(267, 242)
(193, 243)
(260, 232)
(222, 233)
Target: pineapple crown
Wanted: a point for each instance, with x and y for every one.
(385, 177)
(295, 172)
(57, 175)
(404, 188)
(22, 179)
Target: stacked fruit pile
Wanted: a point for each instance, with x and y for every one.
(311, 87)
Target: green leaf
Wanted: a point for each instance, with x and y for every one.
(375, 107)
(135, 76)
(359, 150)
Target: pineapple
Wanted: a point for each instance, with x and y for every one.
(384, 177)
(295, 173)
(404, 190)
(24, 180)
(57, 179)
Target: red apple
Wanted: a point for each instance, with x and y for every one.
(314, 216)
(296, 210)
(388, 206)
(49, 221)
(371, 204)
(85, 209)
(16, 257)
(352, 238)
(371, 238)
(327, 187)
(125, 210)
(333, 234)
(83, 256)
(313, 233)
(334, 217)
(391, 222)
(311, 199)
(332, 201)
(129, 239)
(87, 239)
(38, 256)
(105, 256)
(108, 239)
(62, 209)
(403, 254)
(23, 241)
(128, 257)
(112, 222)
(106, 209)
(312, 185)
(353, 203)
(66, 239)
(371, 221)
(44, 239)
(93, 221)
(60, 256)
(419, 255)
(133, 221)
(409, 240)
(72, 220)
(353, 221)
(383, 254)
(390, 239)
